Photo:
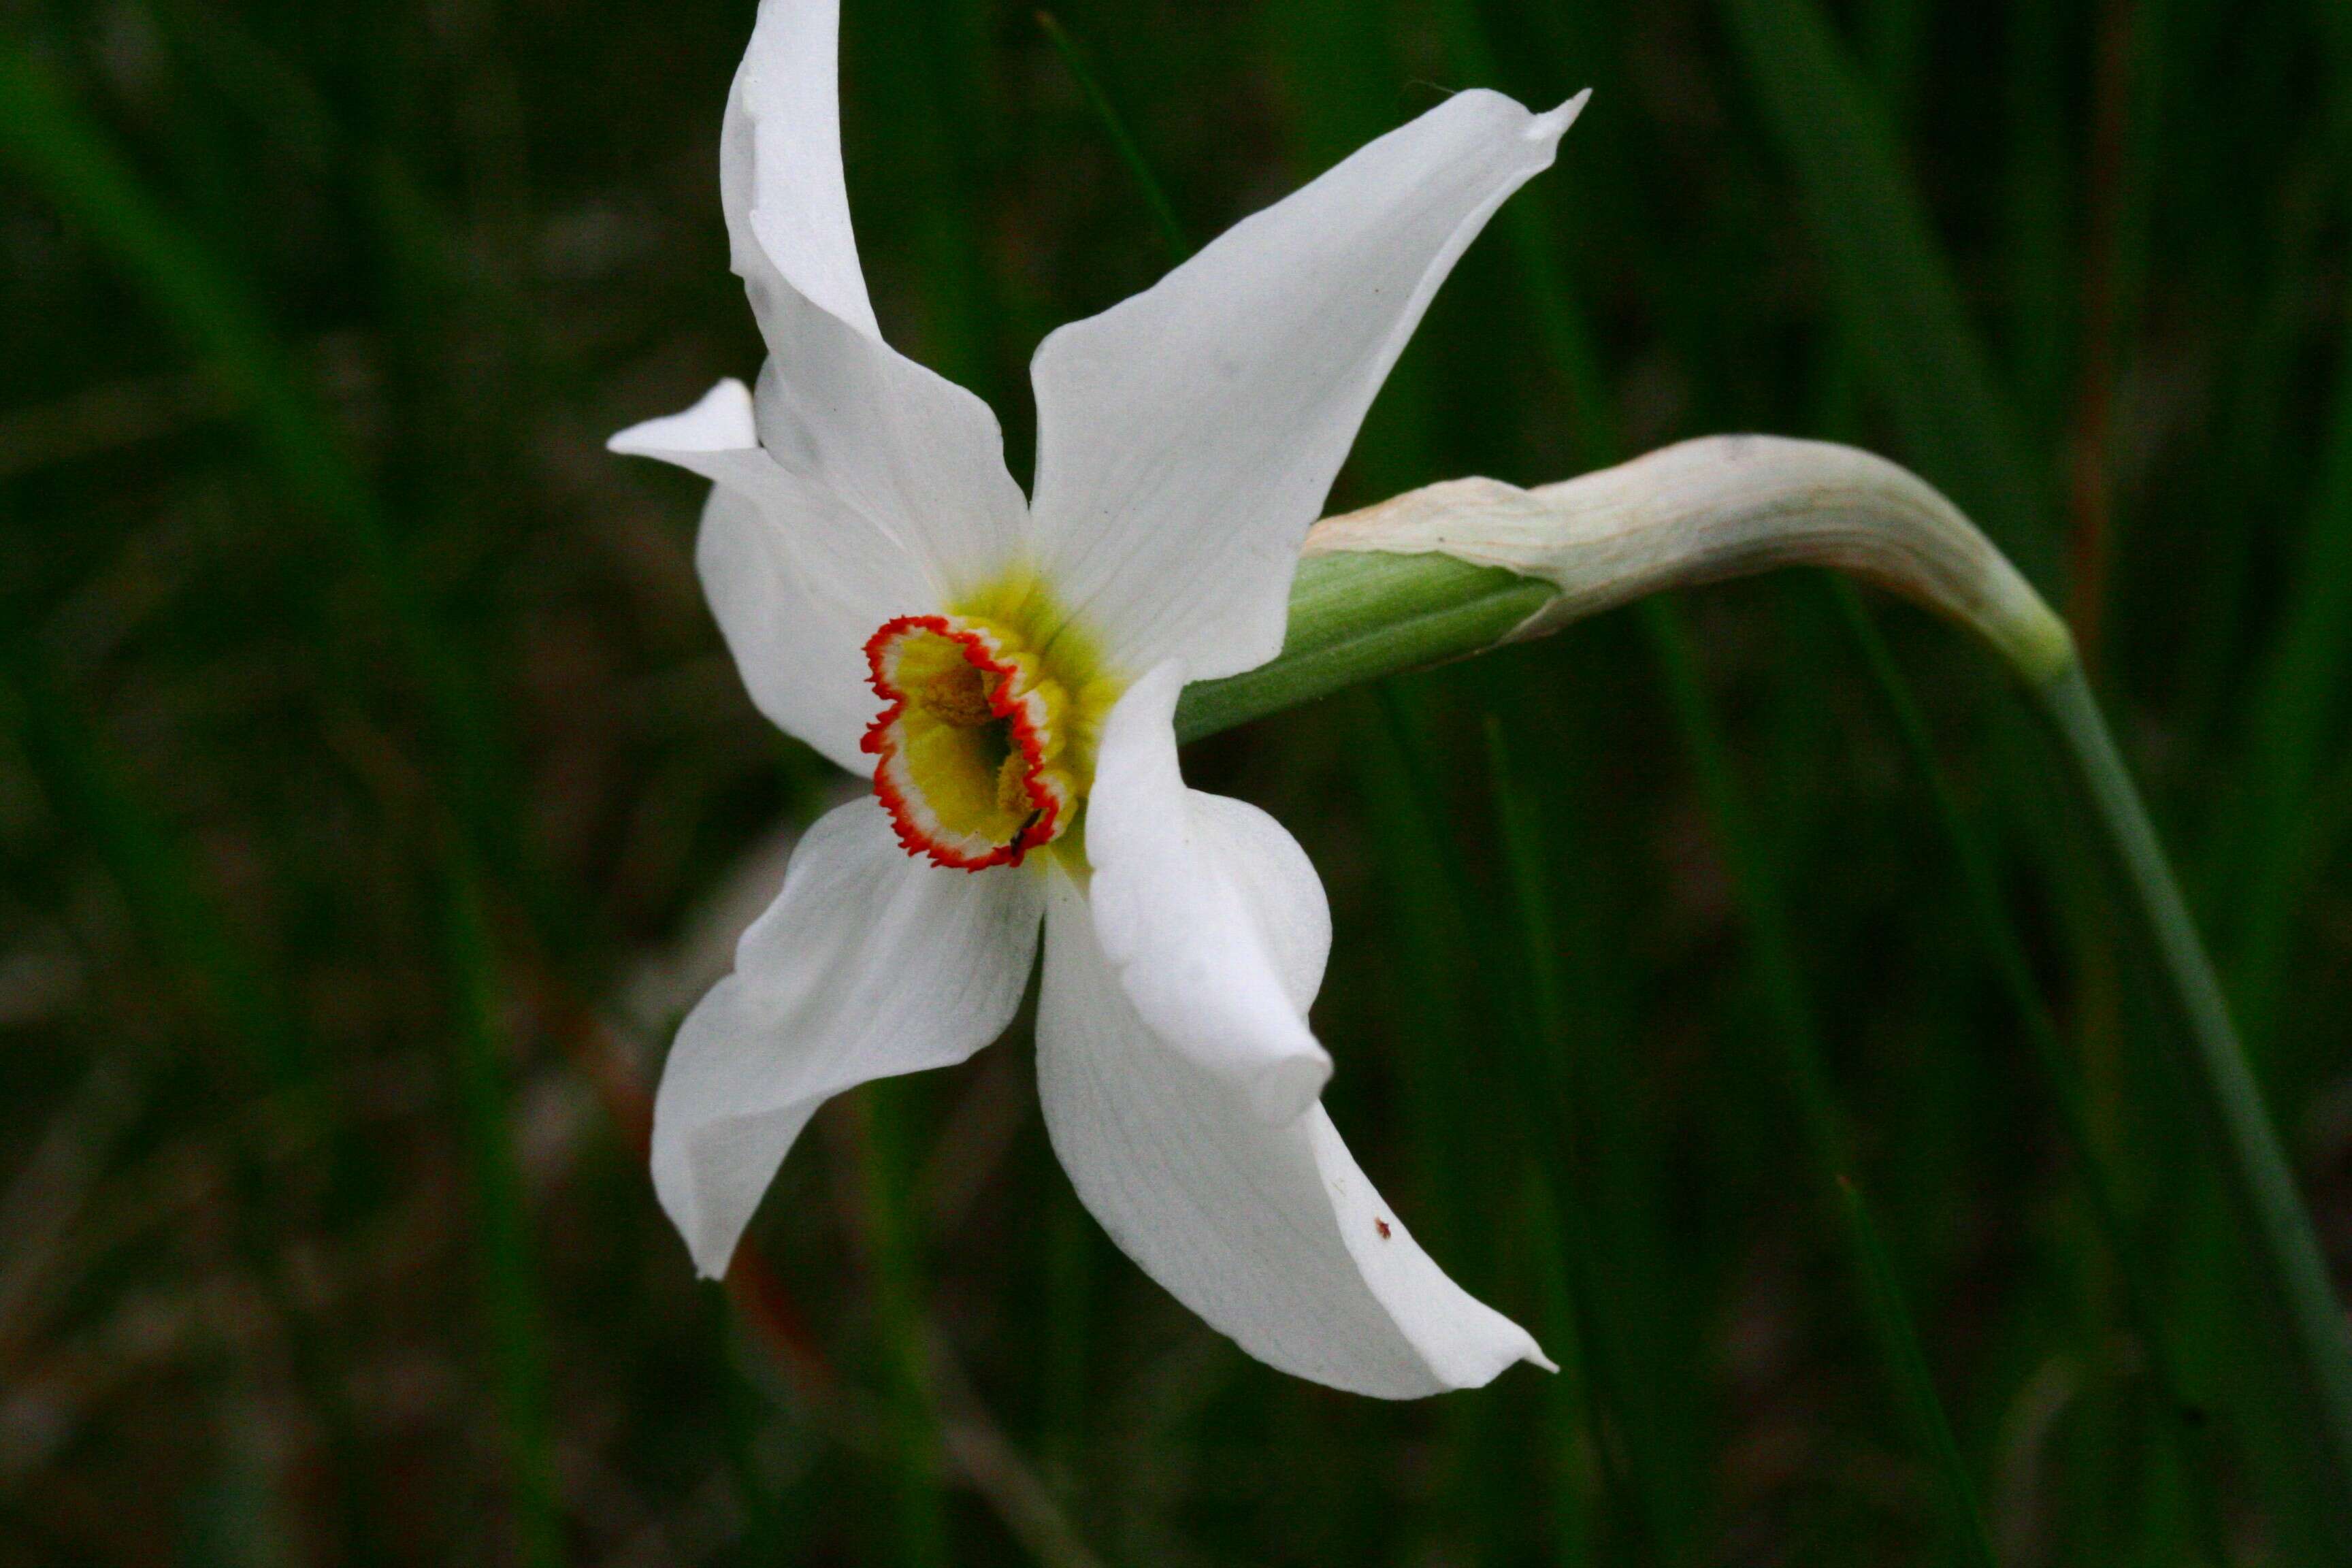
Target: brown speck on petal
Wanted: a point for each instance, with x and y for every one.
(1381, 1226)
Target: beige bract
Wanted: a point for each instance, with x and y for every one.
(1722, 506)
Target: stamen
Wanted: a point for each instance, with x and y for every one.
(961, 696)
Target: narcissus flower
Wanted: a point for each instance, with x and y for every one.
(1007, 671)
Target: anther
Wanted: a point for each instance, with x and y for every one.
(961, 696)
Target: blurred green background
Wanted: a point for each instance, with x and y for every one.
(375, 793)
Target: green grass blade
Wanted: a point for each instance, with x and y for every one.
(2036, 262)
(1448, 1060)
(70, 160)
(1773, 955)
(513, 1321)
(1429, 918)
(1532, 227)
(1611, 1277)
(1336, 71)
(885, 1159)
(1893, 285)
(1554, 1138)
(178, 910)
(1571, 1431)
(1899, 1346)
(2125, 117)
(2294, 706)
(1122, 140)
(2295, 702)
(46, 135)
(927, 63)
(1772, 951)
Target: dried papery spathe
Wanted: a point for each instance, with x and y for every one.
(1718, 507)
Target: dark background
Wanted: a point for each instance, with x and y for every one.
(375, 793)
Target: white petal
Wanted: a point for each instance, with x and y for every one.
(779, 163)
(1271, 1234)
(798, 579)
(920, 456)
(1187, 437)
(1177, 920)
(798, 584)
(721, 422)
(869, 963)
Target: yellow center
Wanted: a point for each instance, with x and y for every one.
(986, 740)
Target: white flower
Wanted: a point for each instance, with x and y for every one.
(1008, 670)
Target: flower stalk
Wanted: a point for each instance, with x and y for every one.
(2253, 1163)
(1463, 566)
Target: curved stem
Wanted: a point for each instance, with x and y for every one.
(2253, 1162)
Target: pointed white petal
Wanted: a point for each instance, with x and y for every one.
(1178, 922)
(917, 456)
(721, 422)
(1271, 1234)
(869, 963)
(1187, 437)
(780, 174)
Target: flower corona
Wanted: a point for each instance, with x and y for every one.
(971, 746)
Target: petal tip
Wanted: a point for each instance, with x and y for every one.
(721, 421)
(674, 1186)
(1500, 1355)
(1552, 126)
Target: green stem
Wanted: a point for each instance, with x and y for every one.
(2253, 1162)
